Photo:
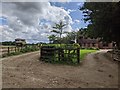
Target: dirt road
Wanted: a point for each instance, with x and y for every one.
(26, 71)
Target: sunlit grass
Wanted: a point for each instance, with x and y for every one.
(84, 52)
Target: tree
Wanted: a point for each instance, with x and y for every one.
(82, 32)
(58, 29)
(52, 38)
(8, 43)
(69, 38)
(104, 19)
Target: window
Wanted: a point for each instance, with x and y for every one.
(93, 44)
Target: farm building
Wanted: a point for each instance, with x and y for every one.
(20, 42)
(93, 43)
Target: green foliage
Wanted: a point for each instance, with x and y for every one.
(8, 43)
(82, 32)
(76, 45)
(104, 18)
(58, 30)
(67, 54)
(52, 38)
(11, 54)
(64, 52)
(84, 52)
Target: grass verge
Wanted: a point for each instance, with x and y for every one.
(84, 52)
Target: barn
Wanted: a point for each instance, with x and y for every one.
(20, 42)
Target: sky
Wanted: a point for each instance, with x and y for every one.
(33, 21)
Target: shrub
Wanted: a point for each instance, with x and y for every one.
(76, 45)
(11, 54)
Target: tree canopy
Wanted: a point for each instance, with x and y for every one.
(104, 19)
(58, 29)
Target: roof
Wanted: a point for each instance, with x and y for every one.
(19, 39)
(83, 40)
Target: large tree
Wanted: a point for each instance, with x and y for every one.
(58, 29)
(104, 19)
(52, 38)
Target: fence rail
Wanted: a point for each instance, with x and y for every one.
(52, 54)
(10, 49)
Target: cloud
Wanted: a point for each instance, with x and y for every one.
(70, 11)
(76, 21)
(61, 1)
(78, 4)
(24, 20)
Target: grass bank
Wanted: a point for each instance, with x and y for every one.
(84, 52)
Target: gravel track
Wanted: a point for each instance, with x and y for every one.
(26, 71)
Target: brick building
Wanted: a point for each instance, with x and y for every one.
(93, 43)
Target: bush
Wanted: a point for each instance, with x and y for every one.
(11, 54)
(29, 49)
(76, 45)
(64, 51)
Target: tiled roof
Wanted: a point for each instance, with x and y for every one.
(19, 39)
(87, 40)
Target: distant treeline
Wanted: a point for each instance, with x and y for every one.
(12, 43)
(7, 43)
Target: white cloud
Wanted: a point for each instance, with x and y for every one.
(80, 3)
(76, 21)
(23, 20)
(70, 11)
(77, 29)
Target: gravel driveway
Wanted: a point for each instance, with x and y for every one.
(26, 71)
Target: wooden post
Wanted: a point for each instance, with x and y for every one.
(21, 48)
(41, 54)
(68, 54)
(8, 50)
(62, 54)
(78, 55)
(18, 49)
(59, 54)
(25, 46)
(12, 49)
(15, 49)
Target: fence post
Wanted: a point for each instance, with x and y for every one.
(8, 50)
(18, 49)
(59, 54)
(62, 54)
(21, 48)
(15, 49)
(11, 49)
(78, 55)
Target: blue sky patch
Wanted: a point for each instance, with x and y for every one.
(3, 21)
(75, 13)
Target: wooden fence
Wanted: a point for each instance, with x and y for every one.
(52, 54)
(9, 49)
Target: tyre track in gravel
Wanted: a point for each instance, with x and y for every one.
(26, 71)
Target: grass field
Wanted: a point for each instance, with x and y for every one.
(84, 52)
